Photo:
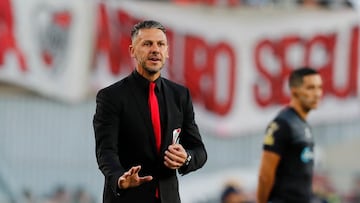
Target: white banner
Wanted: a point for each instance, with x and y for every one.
(234, 61)
(46, 46)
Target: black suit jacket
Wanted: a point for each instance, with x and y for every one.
(124, 138)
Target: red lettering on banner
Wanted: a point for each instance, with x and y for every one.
(223, 107)
(114, 41)
(197, 69)
(7, 38)
(196, 66)
(200, 69)
(273, 81)
(124, 40)
(326, 70)
(280, 49)
(209, 2)
(174, 69)
(352, 88)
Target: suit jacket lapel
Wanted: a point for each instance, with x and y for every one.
(143, 109)
(169, 103)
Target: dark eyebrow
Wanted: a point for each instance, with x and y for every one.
(150, 41)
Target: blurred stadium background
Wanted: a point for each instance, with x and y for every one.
(234, 55)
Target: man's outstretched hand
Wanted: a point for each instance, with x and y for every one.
(131, 178)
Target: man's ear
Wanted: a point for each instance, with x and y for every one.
(294, 92)
(167, 52)
(131, 50)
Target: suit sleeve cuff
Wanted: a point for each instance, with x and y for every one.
(115, 185)
(184, 168)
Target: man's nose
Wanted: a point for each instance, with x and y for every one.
(155, 48)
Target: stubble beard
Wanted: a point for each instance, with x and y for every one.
(309, 106)
(149, 70)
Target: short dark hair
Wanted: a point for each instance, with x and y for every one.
(296, 76)
(147, 24)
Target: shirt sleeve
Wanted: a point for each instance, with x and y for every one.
(277, 136)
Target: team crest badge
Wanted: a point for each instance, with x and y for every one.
(269, 137)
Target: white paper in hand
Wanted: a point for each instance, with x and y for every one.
(176, 135)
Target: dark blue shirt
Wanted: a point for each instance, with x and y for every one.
(290, 136)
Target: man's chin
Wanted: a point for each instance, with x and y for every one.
(315, 106)
(153, 71)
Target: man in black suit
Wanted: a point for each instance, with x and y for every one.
(136, 146)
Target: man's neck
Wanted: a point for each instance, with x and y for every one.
(299, 110)
(148, 76)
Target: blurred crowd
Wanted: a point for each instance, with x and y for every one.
(324, 192)
(232, 191)
(305, 3)
(59, 195)
(332, 4)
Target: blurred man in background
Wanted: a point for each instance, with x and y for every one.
(234, 193)
(145, 128)
(286, 167)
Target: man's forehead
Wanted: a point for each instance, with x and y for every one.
(312, 79)
(152, 33)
